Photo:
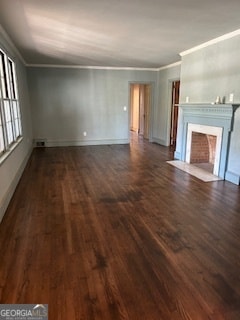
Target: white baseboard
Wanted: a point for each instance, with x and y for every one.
(159, 141)
(69, 143)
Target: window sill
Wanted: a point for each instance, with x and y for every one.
(7, 153)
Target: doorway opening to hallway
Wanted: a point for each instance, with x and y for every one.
(140, 104)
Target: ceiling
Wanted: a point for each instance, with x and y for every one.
(114, 33)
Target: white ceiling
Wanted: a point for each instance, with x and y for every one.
(119, 33)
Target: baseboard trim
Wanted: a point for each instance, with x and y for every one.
(232, 177)
(159, 141)
(72, 143)
(9, 193)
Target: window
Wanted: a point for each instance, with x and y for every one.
(1, 136)
(10, 118)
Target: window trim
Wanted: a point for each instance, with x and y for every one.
(10, 111)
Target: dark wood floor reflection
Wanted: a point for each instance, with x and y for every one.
(114, 232)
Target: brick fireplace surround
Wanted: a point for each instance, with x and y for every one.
(203, 136)
(203, 148)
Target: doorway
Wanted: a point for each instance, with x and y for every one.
(174, 112)
(140, 100)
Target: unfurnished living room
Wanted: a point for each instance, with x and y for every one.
(119, 160)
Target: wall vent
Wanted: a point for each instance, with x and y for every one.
(40, 143)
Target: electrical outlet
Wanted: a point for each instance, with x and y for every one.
(85, 133)
(187, 99)
(231, 96)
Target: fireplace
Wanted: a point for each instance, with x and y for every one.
(203, 146)
(215, 123)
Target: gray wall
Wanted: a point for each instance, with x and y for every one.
(12, 168)
(66, 102)
(210, 72)
(162, 112)
(233, 169)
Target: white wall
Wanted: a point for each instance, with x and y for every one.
(12, 168)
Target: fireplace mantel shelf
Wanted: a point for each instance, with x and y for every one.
(224, 105)
(209, 110)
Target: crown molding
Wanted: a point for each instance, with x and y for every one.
(211, 42)
(175, 64)
(102, 67)
(88, 67)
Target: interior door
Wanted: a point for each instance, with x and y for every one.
(147, 101)
(141, 109)
(174, 112)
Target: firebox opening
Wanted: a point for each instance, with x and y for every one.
(209, 136)
(203, 150)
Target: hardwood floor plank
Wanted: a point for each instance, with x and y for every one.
(114, 232)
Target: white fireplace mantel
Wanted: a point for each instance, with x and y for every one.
(222, 111)
(215, 115)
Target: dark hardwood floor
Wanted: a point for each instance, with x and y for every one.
(114, 232)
